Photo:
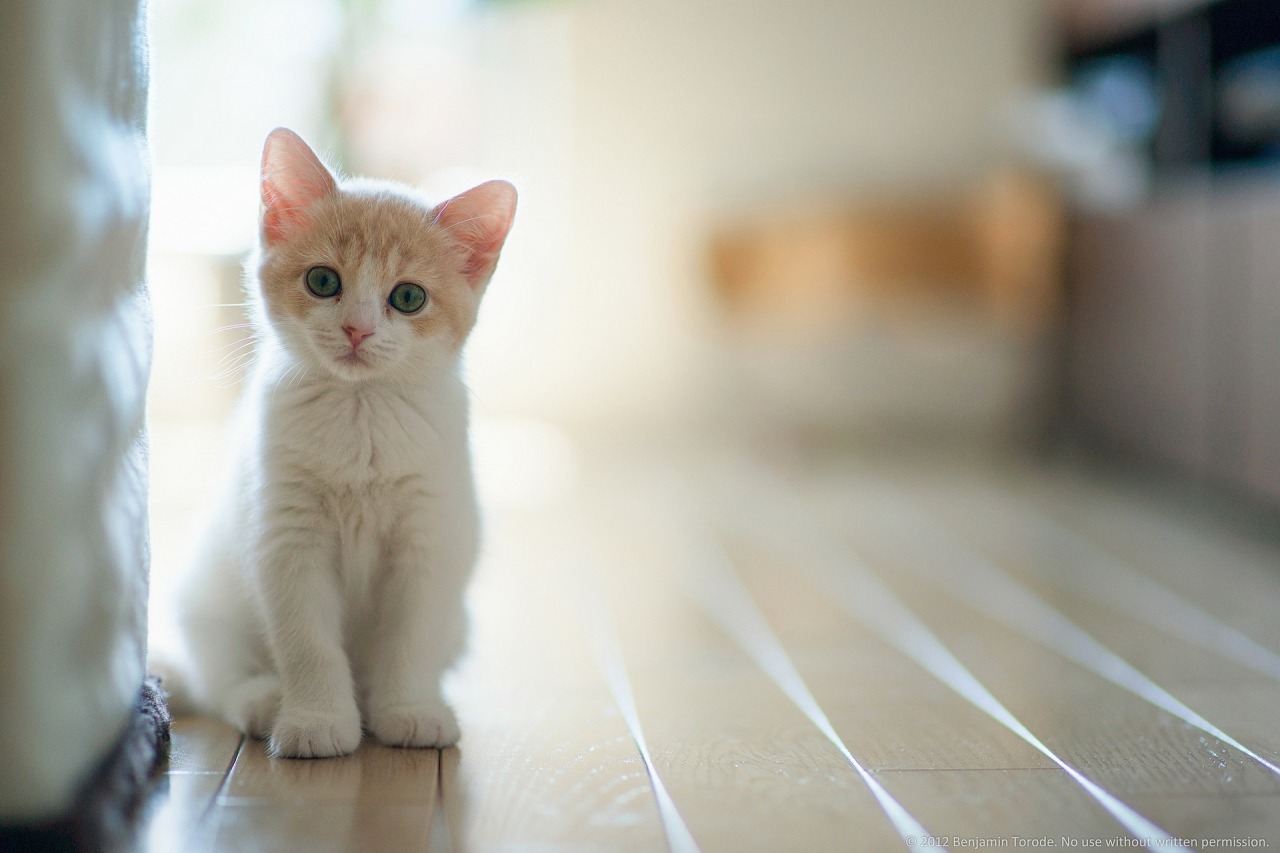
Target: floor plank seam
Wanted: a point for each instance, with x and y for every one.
(596, 625)
(440, 832)
(206, 814)
(226, 777)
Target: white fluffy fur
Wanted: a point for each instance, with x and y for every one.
(328, 596)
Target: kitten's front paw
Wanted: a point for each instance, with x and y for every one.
(309, 733)
(423, 725)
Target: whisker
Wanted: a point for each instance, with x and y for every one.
(282, 377)
(299, 379)
(235, 359)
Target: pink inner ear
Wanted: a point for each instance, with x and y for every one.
(480, 219)
(293, 179)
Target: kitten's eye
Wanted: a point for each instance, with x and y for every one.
(323, 282)
(407, 297)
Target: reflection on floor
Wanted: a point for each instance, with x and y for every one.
(860, 654)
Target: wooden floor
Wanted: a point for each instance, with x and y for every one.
(829, 653)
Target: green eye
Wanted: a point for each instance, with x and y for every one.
(407, 297)
(323, 282)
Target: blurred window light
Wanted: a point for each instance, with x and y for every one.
(1064, 132)
(203, 210)
(1121, 91)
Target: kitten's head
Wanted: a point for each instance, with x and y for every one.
(362, 278)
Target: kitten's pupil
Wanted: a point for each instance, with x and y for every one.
(323, 282)
(407, 297)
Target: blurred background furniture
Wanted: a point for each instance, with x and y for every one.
(918, 315)
(1174, 293)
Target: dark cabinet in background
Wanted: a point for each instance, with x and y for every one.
(1173, 334)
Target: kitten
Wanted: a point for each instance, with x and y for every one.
(329, 593)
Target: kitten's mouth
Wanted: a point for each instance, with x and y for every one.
(353, 358)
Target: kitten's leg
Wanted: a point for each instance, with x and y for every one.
(253, 704)
(227, 669)
(421, 632)
(233, 682)
(318, 716)
(422, 638)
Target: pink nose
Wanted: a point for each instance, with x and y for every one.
(357, 334)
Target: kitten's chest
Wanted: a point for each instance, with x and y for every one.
(360, 436)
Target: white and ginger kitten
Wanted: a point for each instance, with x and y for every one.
(327, 599)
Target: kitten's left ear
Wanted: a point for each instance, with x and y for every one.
(479, 220)
(293, 178)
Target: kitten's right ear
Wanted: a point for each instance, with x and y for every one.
(293, 179)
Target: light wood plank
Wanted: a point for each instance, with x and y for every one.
(1073, 577)
(744, 766)
(893, 712)
(373, 773)
(202, 745)
(545, 758)
(946, 563)
(1220, 568)
(249, 826)
(1215, 570)
(1113, 736)
(1207, 682)
(378, 798)
(1062, 699)
(1246, 707)
(542, 769)
(177, 816)
(996, 805)
(1249, 818)
(1209, 562)
(894, 622)
(201, 753)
